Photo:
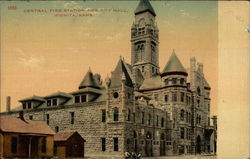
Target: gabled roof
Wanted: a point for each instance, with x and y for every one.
(89, 81)
(174, 66)
(144, 6)
(59, 94)
(116, 75)
(33, 98)
(16, 125)
(64, 136)
(138, 77)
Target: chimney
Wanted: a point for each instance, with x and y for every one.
(21, 115)
(8, 104)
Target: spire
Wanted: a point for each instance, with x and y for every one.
(144, 6)
(89, 81)
(174, 66)
(120, 74)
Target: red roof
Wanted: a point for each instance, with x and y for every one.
(17, 125)
(64, 136)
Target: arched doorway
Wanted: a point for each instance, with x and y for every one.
(148, 145)
(162, 145)
(198, 144)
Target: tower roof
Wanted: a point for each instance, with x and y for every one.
(174, 66)
(89, 81)
(120, 72)
(144, 6)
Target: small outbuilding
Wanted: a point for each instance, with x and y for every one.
(68, 144)
(21, 138)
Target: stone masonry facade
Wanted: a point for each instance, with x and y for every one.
(139, 108)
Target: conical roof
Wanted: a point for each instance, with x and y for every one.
(144, 6)
(119, 73)
(174, 66)
(89, 81)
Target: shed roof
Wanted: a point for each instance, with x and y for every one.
(17, 125)
(59, 94)
(34, 98)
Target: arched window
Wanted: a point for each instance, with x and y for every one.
(182, 114)
(187, 117)
(199, 91)
(116, 114)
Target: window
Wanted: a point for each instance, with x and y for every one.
(77, 99)
(174, 97)
(103, 144)
(14, 144)
(129, 95)
(156, 96)
(54, 101)
(157, 120)
(182, 133)
(142, 69)
(182, 115)
(198, 102)
(162, 122)
(44, 144)
(142, 117)
(103, 115)
(166, 81)
(31, 117)
(115, 95)
(115, 144)
(83, 98)
(56, 129)
(24, 105)
(208, 107)
(181, 81)
(116, 114)
(29, 105)
(47, 118)
(174, 80)
(187, 117)
(49, 102)
(129, 115)
(153, 69)
(166, 98)
(182, 96)
(208, 121)
(72, 115)
(149, 119)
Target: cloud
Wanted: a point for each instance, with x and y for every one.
(31, 61)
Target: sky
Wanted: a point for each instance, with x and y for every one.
(42, 53)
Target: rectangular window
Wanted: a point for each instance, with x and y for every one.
(29, 105)
(142, 117)
(182, 133)
(83, 98)
(49, 102)
(157, 120)
(56, 129)
(142, 69)
(24, 105)
(72, 117)
(166, 98)
(54, 101)
(44, 143)
(182, 96)
(31, 117)
(47, 118)
(174, 97)
(156, 96)
(14, 144)
(115, 144)
(174, 80)
(103, 115)
(77, 99)
(103, 144)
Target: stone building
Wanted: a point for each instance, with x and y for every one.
(139, 108)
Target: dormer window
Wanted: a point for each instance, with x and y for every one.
(83, 98)
(77, 99)
(54, 101)
(29, 105)
(49, 102)
(24, 105)
(174, 80)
